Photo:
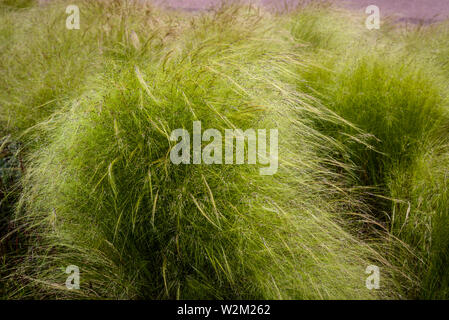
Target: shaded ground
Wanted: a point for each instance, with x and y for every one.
(414, 11)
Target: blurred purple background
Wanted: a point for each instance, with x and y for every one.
(402, 10)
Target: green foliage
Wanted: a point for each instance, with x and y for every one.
(399, 99)
(362, 120)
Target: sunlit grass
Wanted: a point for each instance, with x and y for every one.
(362, 122)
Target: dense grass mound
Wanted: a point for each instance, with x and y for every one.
(102, 194)
(362, 162)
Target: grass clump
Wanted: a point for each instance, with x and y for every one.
(42, 64)
(101, 192)
(399, 100)
(362, 174)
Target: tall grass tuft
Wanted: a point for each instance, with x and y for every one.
(398, 96)
(101, 193)
(362, 179)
